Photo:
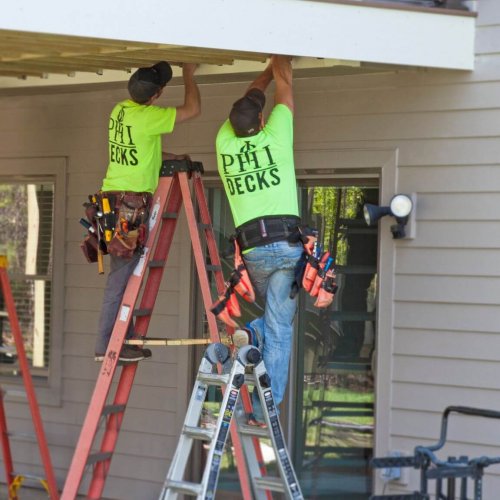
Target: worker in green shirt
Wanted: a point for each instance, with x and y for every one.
(136, 126)
(255, 163)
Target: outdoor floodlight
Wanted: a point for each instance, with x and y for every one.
(400, 208)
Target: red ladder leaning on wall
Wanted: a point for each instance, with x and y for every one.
(173, 191)
(15, 478)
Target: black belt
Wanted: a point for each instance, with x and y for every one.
(265, 230)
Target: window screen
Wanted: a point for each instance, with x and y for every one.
(26, 238)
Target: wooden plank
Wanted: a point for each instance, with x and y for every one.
(415, 397)
(447, 344)
(457, 317)
(447, 289)
(464, 373)
(453, 234)
(459, 206)
(448, 261)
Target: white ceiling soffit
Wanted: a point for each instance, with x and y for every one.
(220, 32)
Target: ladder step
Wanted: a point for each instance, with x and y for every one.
(163, 342)
(29, 477)
(198, 433)
(270, 483)
(156, 263)
(250, 379)
(185, 487)
(112, 409)
(213, 378)
(15, 393)
(169, 215)
(24, 436)
(253, 430)
(99, 457)
(212, 268)
(142, 312)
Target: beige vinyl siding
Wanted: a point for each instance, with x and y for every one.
(444, 128)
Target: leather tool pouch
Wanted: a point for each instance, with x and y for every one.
(127, 220)
(131, 216)
(89, 248)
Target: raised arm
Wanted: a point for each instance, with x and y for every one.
(192, 100)
(263, 80)
(282, 72)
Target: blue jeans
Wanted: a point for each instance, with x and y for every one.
(271, 269)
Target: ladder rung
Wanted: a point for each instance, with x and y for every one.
(213, 268)
(198, 433)
(270, 483)
(99, 457)
(142, 312)
(156, 263)
(15, 393)
(169, 215)
(185, 487)
(162, 342)
(112, 409)
(253, 430)
(250, 379)
(202, 225)
(213, 378)
(29, 477)
(7, 349)
(4, 314)
(24, 436)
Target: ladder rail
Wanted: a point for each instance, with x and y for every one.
(172, 192)
(161, 244)
(198, 254)
(161, 253)
(109, 365)
(239, 454)
(185, 444)
(286, 481)
(28, 383)
(5, 442)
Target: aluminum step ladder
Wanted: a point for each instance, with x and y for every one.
(177, 177)
(247, 368)
(15, 478)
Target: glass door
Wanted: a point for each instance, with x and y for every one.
(331, 375)
(334, 418)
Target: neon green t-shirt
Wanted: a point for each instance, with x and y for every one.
(135, 151)
(258, 172)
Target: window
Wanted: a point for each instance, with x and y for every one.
(32, 228)
(26, 229)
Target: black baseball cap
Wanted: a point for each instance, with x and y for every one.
(146, 82)
(244, 115)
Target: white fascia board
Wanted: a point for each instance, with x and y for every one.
(309, 28)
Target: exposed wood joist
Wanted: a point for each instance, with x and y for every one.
(25, 54)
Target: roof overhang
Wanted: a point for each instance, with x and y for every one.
(221, 32)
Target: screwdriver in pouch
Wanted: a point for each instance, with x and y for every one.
(109, 219)
(87, 225)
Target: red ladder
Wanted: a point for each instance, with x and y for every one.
(14, 479)
(173, 191)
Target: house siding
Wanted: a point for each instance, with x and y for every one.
(444, 129)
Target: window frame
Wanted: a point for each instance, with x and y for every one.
(48, 387)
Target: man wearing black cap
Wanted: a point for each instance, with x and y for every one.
(255, 162)
(135, 157)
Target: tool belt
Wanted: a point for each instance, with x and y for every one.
(265, 230)
(117, 223)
